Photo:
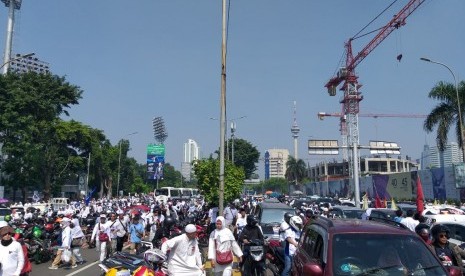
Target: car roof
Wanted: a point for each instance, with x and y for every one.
(345, 207)
(274, 205)
(339, 226)
(383, 210)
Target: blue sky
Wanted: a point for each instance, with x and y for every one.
(136, 60)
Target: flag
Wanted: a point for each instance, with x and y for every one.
(385, 203)
(393, 204)
(365, 202)
(420, 196)
(378, 203)
(435, 202)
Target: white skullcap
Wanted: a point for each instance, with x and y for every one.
(119, 212)
(3, 223)
(65, 219)
(190, 228)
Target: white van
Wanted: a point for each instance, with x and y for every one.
(58, 202)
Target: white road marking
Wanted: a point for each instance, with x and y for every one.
(83, 268)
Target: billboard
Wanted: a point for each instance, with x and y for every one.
(459, 172)
(155, 161)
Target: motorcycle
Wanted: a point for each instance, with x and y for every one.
(275, 257)
(152, 259)
(254, 254)
(202, 235)
(122, 261)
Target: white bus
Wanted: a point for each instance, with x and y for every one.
(190, 192)
(165, 193)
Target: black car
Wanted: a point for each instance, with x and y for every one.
(381, 213)
(346, 212)
(270, 215)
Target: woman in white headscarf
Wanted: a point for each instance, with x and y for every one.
(222, 240)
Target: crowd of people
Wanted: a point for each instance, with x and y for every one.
(124, 224)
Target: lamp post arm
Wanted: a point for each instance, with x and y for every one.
(16, 59)
(459, 108)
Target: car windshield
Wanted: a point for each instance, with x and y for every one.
(383, 254)
(357, 214)
(273, 215)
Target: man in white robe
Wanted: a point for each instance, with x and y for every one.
(184, 255)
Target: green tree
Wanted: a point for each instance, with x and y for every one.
(171, 177)
(31, 107)
(295, 170)
(207, 173)
(246, 156)
(446, 113)
(277, 184)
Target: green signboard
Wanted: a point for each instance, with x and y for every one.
(156, 149)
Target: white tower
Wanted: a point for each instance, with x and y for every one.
(295, 130)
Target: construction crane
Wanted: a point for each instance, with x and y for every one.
(322, 115)
(352, 96)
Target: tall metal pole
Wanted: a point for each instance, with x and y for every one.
(356, 169)
(458, 102)
(87, 177)
(119, 168)
(223, 110)
(9, 36)
(233, 129)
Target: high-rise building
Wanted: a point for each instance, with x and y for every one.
(191, 153)
(275, 163)
(432, 157)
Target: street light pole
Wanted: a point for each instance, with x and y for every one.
(87, 176)
(458, 101)
(222, 109)
(119, 163)
(233, 129)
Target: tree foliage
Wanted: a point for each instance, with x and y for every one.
(31, 107)
(276, 184)
(42, 149)
(171, 177)
(446, 113)
(207, 173)
(295, 170)
(246, 155)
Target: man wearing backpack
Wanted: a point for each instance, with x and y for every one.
(101, 236)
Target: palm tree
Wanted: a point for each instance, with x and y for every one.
(446, 113)
(295, 170)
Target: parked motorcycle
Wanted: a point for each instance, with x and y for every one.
(275, 257)
(152, 259)
(254, 256)
(121, 260)
(202, 235)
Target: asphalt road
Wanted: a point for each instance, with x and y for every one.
(90, 268)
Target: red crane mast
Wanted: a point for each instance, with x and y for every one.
(352, 97)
